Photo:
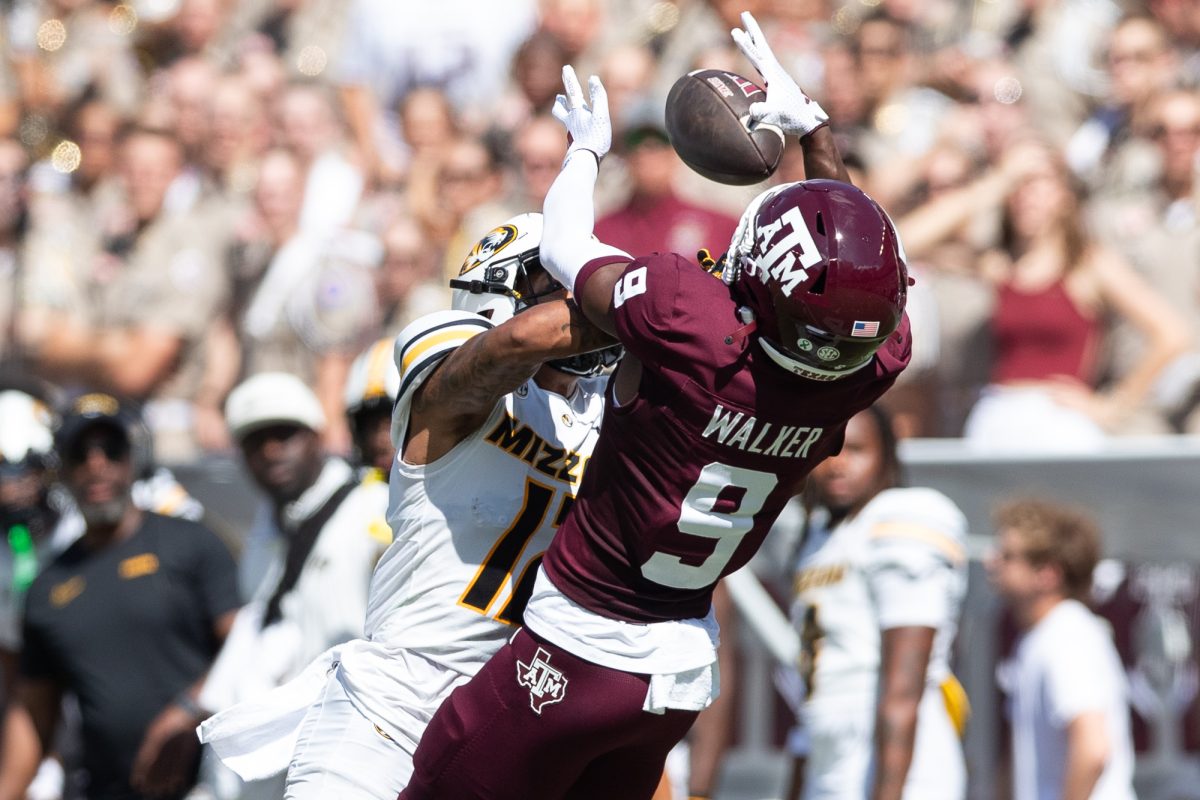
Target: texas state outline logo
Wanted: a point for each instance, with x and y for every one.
(545, 683)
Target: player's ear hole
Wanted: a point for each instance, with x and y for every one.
(818, 286)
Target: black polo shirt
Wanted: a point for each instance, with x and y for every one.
(127, 628)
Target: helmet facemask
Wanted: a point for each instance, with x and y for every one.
(503, 275)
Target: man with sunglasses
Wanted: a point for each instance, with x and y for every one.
(128, 619)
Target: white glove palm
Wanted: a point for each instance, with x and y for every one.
(590, 127)
(787, 106)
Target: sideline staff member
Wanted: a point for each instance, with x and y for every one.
(128, 619)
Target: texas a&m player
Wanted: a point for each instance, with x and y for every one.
(729, 394)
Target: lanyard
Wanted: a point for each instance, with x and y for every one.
(25, 562)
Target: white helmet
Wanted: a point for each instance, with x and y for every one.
(25, 428)
(493, 276)
(373, 379)
(493, 283)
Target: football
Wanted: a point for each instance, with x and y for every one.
(708, 112)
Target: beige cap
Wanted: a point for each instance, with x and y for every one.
(272, 398)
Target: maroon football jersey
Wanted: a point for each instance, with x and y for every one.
(687, 479)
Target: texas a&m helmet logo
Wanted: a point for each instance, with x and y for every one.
(495, 241)
(546, 684)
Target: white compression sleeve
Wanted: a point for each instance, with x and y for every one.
(569, 215)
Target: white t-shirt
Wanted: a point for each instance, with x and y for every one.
(1064, 666)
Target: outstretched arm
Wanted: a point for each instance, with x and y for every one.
(462, 391)
(569, 212)
(788, 108)
(905, 659)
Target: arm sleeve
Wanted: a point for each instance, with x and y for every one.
(644, 307)
(916, 559)
(569, 216)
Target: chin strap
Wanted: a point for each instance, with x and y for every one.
(749, 326)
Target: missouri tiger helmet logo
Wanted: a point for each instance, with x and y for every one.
(491, 244)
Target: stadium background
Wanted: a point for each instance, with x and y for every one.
(400, 132)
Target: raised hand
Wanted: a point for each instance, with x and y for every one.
(787, 106)
(589, 126)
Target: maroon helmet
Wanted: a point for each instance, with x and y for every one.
(824, 273)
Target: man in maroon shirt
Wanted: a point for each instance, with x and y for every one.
(731, 391)
(656, 219)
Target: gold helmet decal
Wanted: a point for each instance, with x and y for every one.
(488, 246)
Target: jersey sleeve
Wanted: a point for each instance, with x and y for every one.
(216, 574)
(421, 346)
(1077, 678)
(644, 302)
(36, 658)
(916, 558)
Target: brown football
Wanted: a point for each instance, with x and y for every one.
(708, 112)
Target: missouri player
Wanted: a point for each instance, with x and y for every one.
(496, 416)
(880, 578)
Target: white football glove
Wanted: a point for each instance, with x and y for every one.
(590, 127)
(787, 106)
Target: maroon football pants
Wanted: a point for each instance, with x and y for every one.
(538, 722)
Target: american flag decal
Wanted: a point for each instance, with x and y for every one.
(865, 329)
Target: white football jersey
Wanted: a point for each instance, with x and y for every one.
(470, 528)
(901, 561)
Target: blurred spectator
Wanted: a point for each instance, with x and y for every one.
(1158, 230)
(14, 223)
(463, 47)
(309, 559)
(1053, 287)
(577, 25)
(627, 72)
(1057, 48)
(131, 314)
(536, 80)
(61, 49)
(879, 581)
(902, 116)
(28, 518)
(96, 127)
(539, 145)
(458, 197)
(655, 218)
(409, 282)
(239, 135)
(128, 619)
(1066, 687)
(32, 524)
(949, 307)
(190, 84)
(370, 394)
(305, 312)
(309, 126)
(194, 29)
(1105, 150)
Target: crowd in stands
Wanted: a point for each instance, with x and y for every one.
(196, 191)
